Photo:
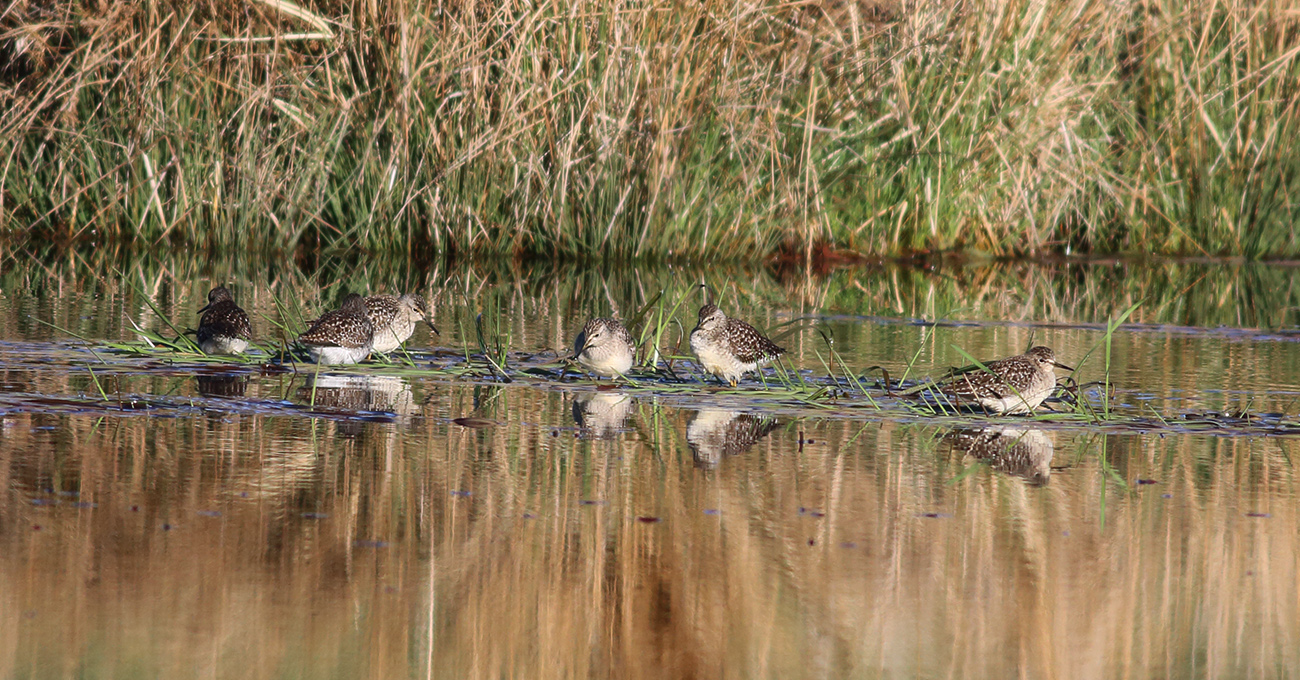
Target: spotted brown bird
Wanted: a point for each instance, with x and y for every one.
(729, 348)
(394, 319)
(605, 347)
(341, 336)
(224, 326)
(1013, 385)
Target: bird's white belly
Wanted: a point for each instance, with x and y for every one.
(223, 345)
(386, 341)
(608, 364)
(1016, 403)
(337, 355)
(722, 364)
(391, 337)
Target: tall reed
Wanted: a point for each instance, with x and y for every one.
(612, 128)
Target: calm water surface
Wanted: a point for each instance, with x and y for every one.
(238, 521)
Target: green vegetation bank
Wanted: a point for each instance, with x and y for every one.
(655, 128)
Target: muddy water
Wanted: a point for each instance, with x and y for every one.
(201, 520)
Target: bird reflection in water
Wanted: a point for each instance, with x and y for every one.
(715, 433)
(222, 385)
(1015, 451)
(602, 414)
(385, 393)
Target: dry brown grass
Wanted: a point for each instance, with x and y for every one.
(631, 129)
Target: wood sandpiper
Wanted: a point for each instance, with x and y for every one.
(605, 348)
(729, 348)
(224, 327)
(1014, 385)
(394, 319)
(341, 336)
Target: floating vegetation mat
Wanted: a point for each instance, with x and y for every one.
(150, 378)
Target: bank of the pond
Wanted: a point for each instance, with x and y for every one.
(708, 129)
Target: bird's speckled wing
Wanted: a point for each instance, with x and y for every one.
(993, 383)
(225, 319)
(338, 328)
(381, 309)
(748, 345)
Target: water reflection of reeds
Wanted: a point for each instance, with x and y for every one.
(74, 292)
(522, 549)
(868, 311)
(524, 544)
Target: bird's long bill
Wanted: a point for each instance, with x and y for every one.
(1061, 365)
(204, 309)
(433, 328)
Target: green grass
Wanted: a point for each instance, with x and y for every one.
(613, 130)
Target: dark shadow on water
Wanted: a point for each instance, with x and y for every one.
(222, 385)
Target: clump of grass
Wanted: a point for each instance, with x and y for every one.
(711, 128)
(493, 347)
(1082, 405)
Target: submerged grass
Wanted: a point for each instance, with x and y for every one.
(486, 340)
(615, 129)
(778, 390)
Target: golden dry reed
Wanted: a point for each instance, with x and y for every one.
(654, 129)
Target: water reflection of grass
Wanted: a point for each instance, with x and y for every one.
(382, 550)
(1191, 294)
